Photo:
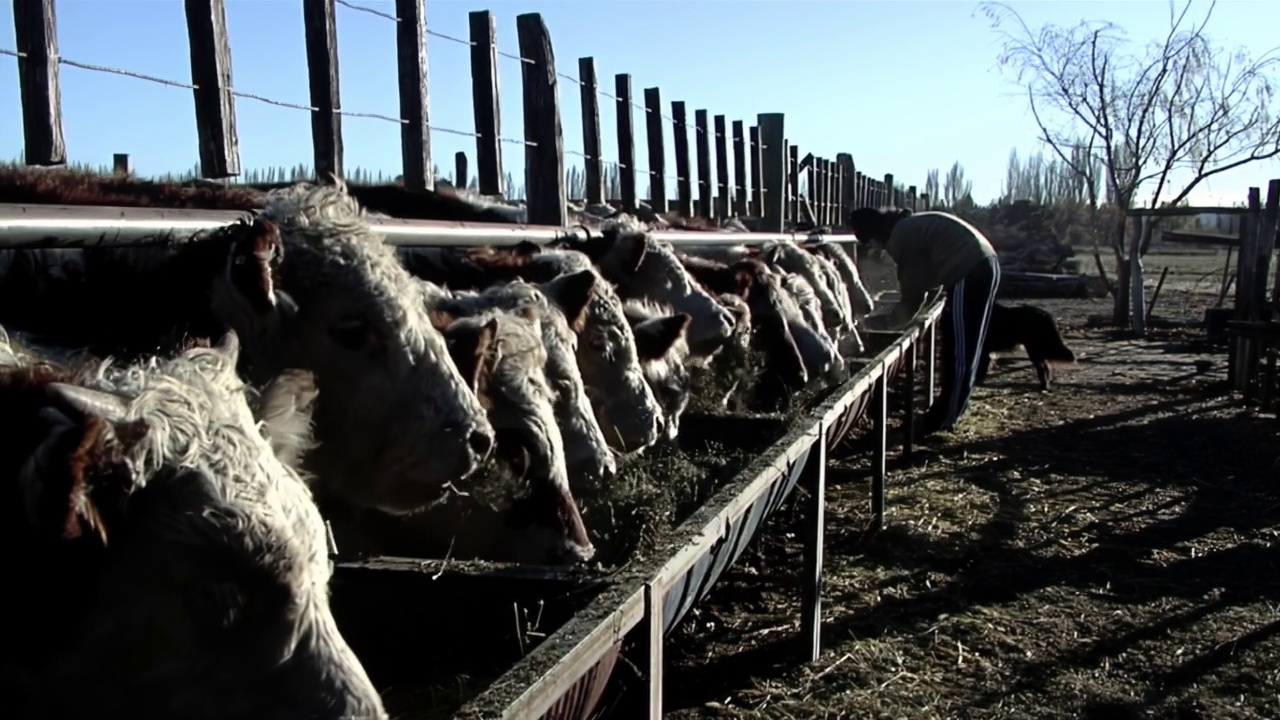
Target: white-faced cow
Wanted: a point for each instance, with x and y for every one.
(308, 284)
(167, 564)
(663, 352)
(561, 306)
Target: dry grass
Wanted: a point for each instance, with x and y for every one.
(1106, 550)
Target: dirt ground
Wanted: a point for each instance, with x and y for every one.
(1106, 550)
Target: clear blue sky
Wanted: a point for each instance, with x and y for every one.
(904, 86)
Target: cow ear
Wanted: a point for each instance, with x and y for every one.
(510, 445)
(288, 403)
(655, 337)
(745, 282)
(253, 256)
(527, 312)
(572, 294)
(629, 249)
(76, 480)
(471, 349)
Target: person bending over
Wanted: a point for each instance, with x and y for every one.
(937, 250)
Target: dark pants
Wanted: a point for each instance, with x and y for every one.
(963, 324)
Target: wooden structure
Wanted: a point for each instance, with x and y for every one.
(765, 181)
(1255, 318)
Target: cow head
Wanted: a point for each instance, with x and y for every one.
(660, 342)
(504, 355)
(310, 285)
(624, 405)
(174, 567)
(643, 268)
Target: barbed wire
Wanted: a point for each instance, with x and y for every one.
(62, 60)
(461, 41)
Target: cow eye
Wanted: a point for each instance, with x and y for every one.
(353, 335)
(221, 603)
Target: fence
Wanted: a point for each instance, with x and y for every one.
(765, 181)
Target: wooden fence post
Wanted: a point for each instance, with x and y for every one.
(121, 164)
(848, 188)
(702, 141)
(684, 180)
(837, 192)
(591, 142)
(793, 183)
(35, 25)
(911, 198)
(891, 198)
(211, 74)
(485, 102)
(739, 169)
(415, 100)
(811, 176)
(757, 188)
(657, 150)
(545, 194)
(460, 172)
(320, 20)
(824, 188)
(626, 142)
(773, 166)
(722, 168)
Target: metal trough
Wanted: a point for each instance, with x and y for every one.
(565, 677)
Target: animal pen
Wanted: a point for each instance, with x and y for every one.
(571, 626)
(1251, 326)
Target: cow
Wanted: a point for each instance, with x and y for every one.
(759, 288)
(771, 303)
(790, 259)
(523, 511)
(561, 305)
(859, 298)
(663, 352)
(644, 269)
(623, 403)
(307, 284)
(169, 563)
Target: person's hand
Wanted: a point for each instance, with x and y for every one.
(876, 321)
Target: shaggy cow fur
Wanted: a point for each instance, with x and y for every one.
(171, 565)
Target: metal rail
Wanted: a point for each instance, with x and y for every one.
(67, 226)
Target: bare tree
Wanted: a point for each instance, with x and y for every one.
(1161, 120)
(956, 189)
(933, 189)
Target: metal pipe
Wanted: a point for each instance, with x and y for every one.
(62, 226)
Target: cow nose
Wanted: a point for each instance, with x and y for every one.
(480, 442)
(659, 424)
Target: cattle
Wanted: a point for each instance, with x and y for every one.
(522, 512)
(560, 305)
(307, 284)
(817, 342)
(759, 289)
(792, 260)
(1032, 328)
(660, 343)
(169, 564)
(623, 403)
(645, 269)
(859, 297)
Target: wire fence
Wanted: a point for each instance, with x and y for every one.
(732, 193)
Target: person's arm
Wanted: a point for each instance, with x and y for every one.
(912, 291)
